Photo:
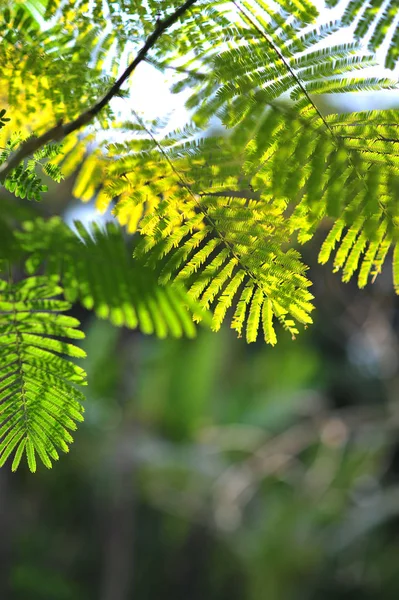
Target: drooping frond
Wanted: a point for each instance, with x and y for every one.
(301, 157)
(40, 404)
(230, 254)
(376, 20)
(367, 226)
(344, 167)
(96, 268)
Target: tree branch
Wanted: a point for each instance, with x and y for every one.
(61, 130)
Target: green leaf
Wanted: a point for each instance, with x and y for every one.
(39, 403)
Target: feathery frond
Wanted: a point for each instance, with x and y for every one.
(95, 268)
(230, 253)
(40, 404)
(264, 60)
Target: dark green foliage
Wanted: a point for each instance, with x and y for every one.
(39, 402)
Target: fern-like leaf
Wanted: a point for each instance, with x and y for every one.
(40, 404)
(95, 268)
(237, 261)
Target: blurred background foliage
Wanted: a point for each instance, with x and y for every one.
(212, 469)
